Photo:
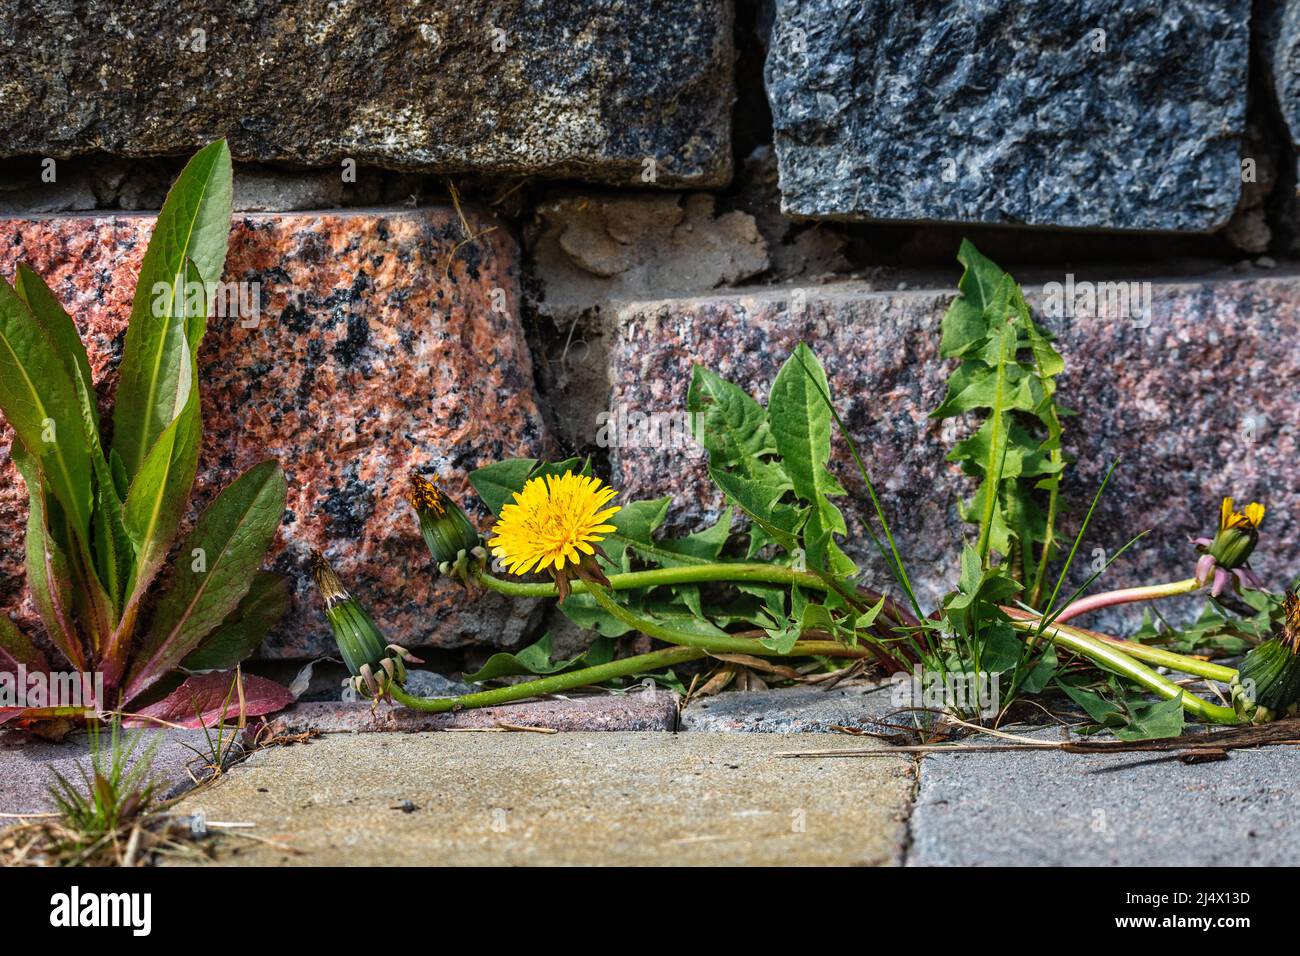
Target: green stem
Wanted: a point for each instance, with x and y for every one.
(1164, 658)
(737, 572)
(993, 468)
(1145, 652)
(1049, 537)
(641, 663)
(1113, 659)
(756, 572)
(1151, 592)
(688, 647)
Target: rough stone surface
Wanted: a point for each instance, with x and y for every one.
(592, 250)
(624, 712)
(424, 683)
(1009, 112)
(72, 192)
(1048, 808)
(1199, 404)
(28, 765)
(260, 190)
(788, 710)
(110, 183)
(377, 348)
(621, 799)
(1277, 31)
(798, 248)
(519, 87)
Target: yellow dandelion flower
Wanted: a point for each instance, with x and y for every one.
(553, 522)
(1252, 516)
(425, 495)
(1223, 559)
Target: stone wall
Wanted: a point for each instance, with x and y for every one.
(477, 225)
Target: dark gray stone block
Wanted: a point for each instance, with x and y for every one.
(585, 89)
(1086, 113)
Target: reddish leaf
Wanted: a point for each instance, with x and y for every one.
(200, 700)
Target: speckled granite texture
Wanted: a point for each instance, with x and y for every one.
(1093, 113)
(1277, 37)
(1200, 404)
(590, 90)
(382, 344)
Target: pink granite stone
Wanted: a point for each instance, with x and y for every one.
(382, 343)
(1201, 404)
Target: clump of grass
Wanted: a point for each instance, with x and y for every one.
(116, 790)
(114, 815)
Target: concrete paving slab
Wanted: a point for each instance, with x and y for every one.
(464, 799)
(28, 764)
(637, 710)
(803, 709)
(1048, 808)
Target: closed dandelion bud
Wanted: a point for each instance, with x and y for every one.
(373, 662)
(446, 530)
(1270, 674)
(1223, 557)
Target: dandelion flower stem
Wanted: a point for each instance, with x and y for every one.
(1151, 592)
(1158, 656)
(688, 647)
(755, 572)
(553, 684)
(1112, 658)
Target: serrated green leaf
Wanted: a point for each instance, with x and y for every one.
(229, 541)
(1155, 720)
(734, 430)
(582, 609)
(966, 323)
(999, 648)
(731, 426)
(800, 421)
(1041, 672)
(760, 501)
(497, 483)
(118, 470)
(194, 225)
(1103, 711)
(1007, 371)
(244, 628)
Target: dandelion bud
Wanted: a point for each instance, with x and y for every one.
(1270, 674)
(1223, 558)
(373, 662)
(446, 530)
